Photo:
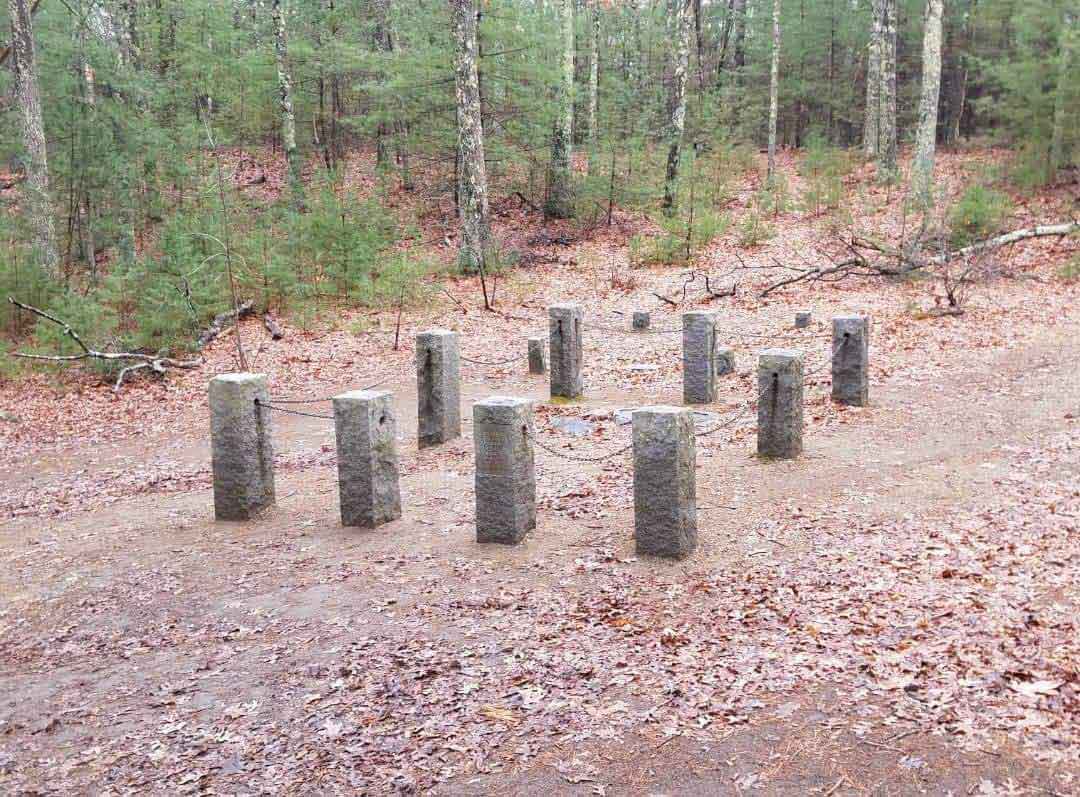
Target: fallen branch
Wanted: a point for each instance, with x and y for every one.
(223, 321)
(272, 326)
(1042, 231)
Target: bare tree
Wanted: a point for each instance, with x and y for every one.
(774, 89)
(288, 119)
(886, 152)
(871, 133)
(677, 126)
(560, 199)
(922, 171)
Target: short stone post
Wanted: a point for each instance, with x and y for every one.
(537, 356)
(641, 321)
(780, 403)
(699, 358)
(803, 319)
(851, 360)
(438, 387)
(241, 450)
(725, 361)
(564, 322)
(505, 474)
(367, 458)
(665, 493)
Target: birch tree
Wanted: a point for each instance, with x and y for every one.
(472, 179)
(677, 126)
(774, 89)
(28, 100)
(886, 153)
(871, 133)
(594, 83)
(288, 119)
(922, 170)
(560, 199)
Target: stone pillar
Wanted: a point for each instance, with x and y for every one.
(803, 319)
(641, 321)
(699, 358)
(564, 321)
(780, 403)
(725, 361)
(505, 475)
(665, 497)
(537, 356)
(367, 458)
(438, 387)
(241, 451)
(851, 360)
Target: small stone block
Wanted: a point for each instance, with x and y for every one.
(367, 458)
(851, 360)
(505, 471)
(641, 321)
(565, 329)
(241, 451)
(780, 403)
(665, 493)
(725, 361)
(438, 387)
(803, 319)
(699, 358)
(537, 356)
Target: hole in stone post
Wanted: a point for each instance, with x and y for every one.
(382, 419)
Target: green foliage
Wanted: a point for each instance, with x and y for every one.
(824, 168)
(755, 229)
(1070, 272)
(977, 214)
(682, 240)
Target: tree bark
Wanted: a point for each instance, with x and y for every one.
(677, 127)
(472, 179)
(27, 98)
(288, 119)
(886, 164)
(594, 84)
(922, 171)
(774, 89)
(871, 133)
(560, 200)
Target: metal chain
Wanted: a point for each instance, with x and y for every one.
(319, 400)
(739, 413)
(292, 412)
(575, 458)
(508, 360)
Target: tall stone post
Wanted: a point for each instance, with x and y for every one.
(699, 358)
(505, 474)
(780, 403)
(851, 360)
(537, 356)
(367, 458)
(641, 321)
(241, 451)
(438, 387)
(665, 499)
(564, 324)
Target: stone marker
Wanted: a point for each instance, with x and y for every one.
(851, 360)
(699, 358)
(780, 403)
(725, 361)
(367, 458)
(803, 319)
(438, 387)
(537, 356)
(665, 496)
(505, 476)
(564, 321)
(241, 451)
(641, 321)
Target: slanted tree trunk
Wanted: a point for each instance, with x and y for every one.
(472, 180)
(871, 132)
(774, 89)
(594, 84)
(288, 119)
(28, 100)
(886, 164)
(1065, 88)
(922, 170)
(560, 199)
(677, 127)
(956, 91)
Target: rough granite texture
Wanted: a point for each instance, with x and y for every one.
(641, 320)
(438, 387)
(665, 497)
(537, 356)
(851, 360)
(367, 458)
(699, 358)
(505, 474)
(564, 323)
(803, 319)
(725, 361)
(241, 451)
(780, 403)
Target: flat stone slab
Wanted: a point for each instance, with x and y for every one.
(572, 426)
(625, 415)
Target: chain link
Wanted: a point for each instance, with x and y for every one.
(508, 360)
(292, 412)
(320, 400)
(576, 458)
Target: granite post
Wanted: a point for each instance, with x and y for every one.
(241, 451)
(564, 322)
(780, 403)
(367, 458)
(851, 360)
(665, 501)
(505, 473)
(699, 358)
(438, 387)
(537, 356)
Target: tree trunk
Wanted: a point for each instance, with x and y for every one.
(922, 170)
(560, 200)
(288, 120)
(774, 89)
(385, 44)
(594, 84)
(472, 179)
(1067, 46)
(683, 12)
(38, 198)
(886, 165)
(871, 133)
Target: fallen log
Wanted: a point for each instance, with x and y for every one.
(272, 326)
(223, 321)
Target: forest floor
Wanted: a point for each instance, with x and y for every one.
(895, 612)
